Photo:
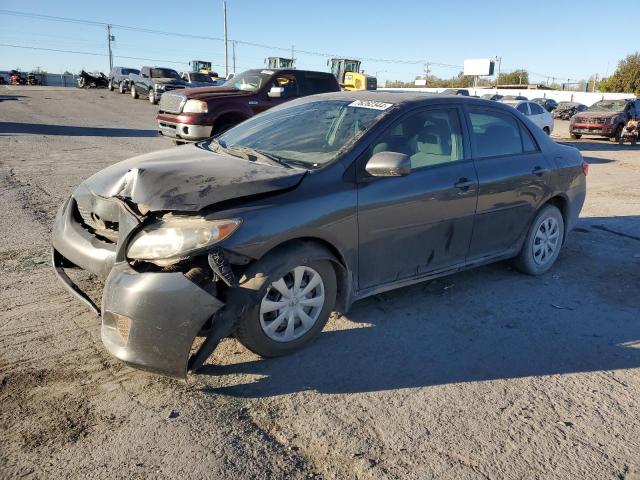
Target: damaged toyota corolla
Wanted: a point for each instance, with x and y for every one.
(301, 210)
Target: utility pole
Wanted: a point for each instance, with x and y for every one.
(110, 38)
(233, 46)
(499, 60)
(226, 50)
(426, 74)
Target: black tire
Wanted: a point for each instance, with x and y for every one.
(258, 279)
(526, 261)
(134, 92)
(617, 135)
(152, 97)
(110, 86)
(576, 136)
(121, 88)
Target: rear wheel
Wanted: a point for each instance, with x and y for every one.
(543, 243)
(295, 297)
(134, 92)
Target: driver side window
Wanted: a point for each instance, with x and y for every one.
(430, 137)
(289, 83)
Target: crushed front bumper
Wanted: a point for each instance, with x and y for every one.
(150, 319)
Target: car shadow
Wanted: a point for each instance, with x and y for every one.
(486, 324)
(4, 98)
(13, 128)
(597, 146)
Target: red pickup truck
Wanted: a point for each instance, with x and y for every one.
(197, 113)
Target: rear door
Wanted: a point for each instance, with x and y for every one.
(421, 222)
(513, 178)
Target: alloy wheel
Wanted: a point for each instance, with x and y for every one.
(292, 304)
(546, 241)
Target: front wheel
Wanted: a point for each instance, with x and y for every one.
(110, 86)
(134, 92)
(152, 97)
(543, 243)
(121, 87)
(295, 298)
(617, 136)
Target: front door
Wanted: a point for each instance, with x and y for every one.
(421, 222)
(290, 90)
(513, 175)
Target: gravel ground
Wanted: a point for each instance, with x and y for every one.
(484, 374)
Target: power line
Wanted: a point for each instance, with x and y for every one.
(205, 37)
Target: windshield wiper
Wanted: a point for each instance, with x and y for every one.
(248, 152)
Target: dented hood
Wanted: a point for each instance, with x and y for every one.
(188, 178)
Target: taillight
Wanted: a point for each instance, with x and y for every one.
(585, 168)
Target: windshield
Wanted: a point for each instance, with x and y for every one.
(127, 71)
(250, 81)
(164, 73)
(311, 134)
(200, 77)
(608, 106)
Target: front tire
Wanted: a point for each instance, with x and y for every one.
(110, 86)
(121, 87)
(295, 296)
(617, 135)
(134, 92)
(152, 97)
(543, 242)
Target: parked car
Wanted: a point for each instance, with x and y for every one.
(566, 110)
(87, 80)
(549, 104)
(536, 114)
(605, 118)
(306, 208)
(492, 96)
(198, 79)
(199, 113)
(119, 78)
(152, 82)
(456, 91)
(511, 98)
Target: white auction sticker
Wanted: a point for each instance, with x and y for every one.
(370, 104)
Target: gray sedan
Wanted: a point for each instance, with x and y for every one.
(305, 209)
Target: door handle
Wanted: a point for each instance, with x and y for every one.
(538, 170)
(464, 184)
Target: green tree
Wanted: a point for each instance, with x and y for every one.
(517, 77)
(626, 78)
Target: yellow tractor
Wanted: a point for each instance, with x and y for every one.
(280, 62)
(200, 66)
(349, 77)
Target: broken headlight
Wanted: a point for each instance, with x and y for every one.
(174, 237)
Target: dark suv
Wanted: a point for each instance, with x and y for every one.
(605, 118)
(199, 113)
(306, 208)
(119, 78)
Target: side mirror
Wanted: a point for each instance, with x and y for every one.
(276, 92)
(389, 164)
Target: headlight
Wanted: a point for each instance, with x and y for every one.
(174, 237)
(195, 106)
(159, 86)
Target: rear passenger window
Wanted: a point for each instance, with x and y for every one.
(314, 83)
(430, 137)
(522, 108)
(536, 109)
(495, 134)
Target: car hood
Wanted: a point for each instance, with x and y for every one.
(205, 93)
(188, 178)
(174, 81)
(598, 114)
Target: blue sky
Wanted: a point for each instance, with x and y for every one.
(548, 38)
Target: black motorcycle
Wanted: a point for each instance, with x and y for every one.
(86, 80)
